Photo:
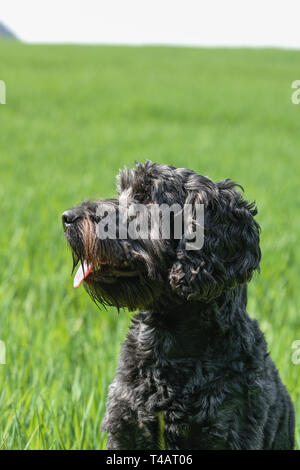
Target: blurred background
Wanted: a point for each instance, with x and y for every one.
(92, 86)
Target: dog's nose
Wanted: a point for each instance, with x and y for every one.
(69, 217)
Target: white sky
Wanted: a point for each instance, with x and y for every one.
(194, 22)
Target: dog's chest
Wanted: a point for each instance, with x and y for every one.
(155, 379)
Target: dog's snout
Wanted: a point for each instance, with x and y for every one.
(69, 217)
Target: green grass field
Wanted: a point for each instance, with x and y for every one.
(73, 116)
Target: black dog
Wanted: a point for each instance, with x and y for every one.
(194, 371)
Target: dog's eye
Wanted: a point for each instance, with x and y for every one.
(142, 198)
(94, 218)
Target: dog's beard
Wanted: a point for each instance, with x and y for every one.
(121, 294)
(106, 270)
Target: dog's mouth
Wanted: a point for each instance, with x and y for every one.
(103, 271)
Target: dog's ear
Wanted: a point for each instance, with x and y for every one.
(230, 252)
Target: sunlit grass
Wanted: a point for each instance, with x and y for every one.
(73, 116)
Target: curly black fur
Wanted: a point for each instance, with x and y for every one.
(193, 359)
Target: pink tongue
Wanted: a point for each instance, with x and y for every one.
(82, 273)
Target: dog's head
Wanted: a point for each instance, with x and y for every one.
(133, 268)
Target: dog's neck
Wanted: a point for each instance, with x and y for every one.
(196, 328)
